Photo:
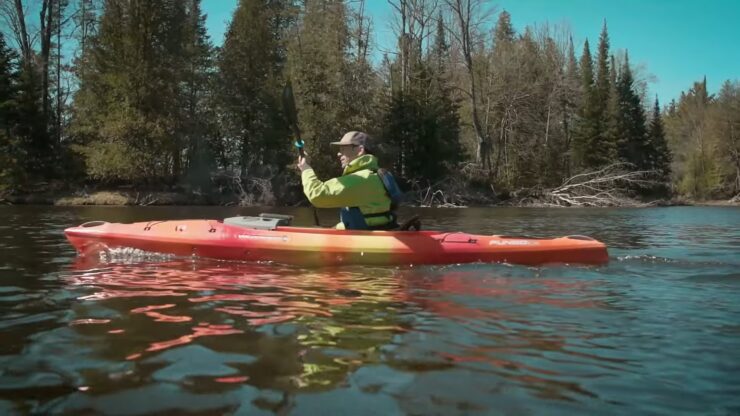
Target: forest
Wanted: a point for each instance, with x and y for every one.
(465, 108)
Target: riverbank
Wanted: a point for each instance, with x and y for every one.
(118, 197)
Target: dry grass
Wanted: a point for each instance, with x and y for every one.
(96, 198)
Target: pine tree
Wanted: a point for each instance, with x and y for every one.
(125, 119)
(602, 83)
(634, 147)
(10, 152)
(318, 64)
(661, 161)
(250, 82)
(614, 124)
(197, 109)
(587, 128)
(569, 105)
(504, 31)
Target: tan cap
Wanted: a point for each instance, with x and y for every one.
(357, 138)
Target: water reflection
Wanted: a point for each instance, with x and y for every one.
(305, 329)
(294, 329)
(654, 331)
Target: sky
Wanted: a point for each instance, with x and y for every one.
(678, 41)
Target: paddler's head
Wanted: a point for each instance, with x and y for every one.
(352, 145)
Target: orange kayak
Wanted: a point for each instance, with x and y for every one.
(261, 239)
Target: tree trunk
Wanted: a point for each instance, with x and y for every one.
(463, 12)
(59, 72)
(46, 21)
(23, 35)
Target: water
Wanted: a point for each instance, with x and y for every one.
(656, 331)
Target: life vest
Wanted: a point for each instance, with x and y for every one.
(354, 219)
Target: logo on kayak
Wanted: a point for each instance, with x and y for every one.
(283, 238)
(512, 243)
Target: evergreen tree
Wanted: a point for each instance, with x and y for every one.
(569, 105)
(197, 111)
(318, 63)
(594, 146)
(11, 153)
(661, 161)
(634, 146)
(422, 121)
(125, 116)
(602, 83)
(250, 81)
(504, 31)
(587, 128)
(34, 145)
(614, 125)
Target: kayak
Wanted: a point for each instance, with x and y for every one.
(266, 238)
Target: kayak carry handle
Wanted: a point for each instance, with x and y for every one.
(90, 224)
(453, 238)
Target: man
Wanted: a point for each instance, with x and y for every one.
(359, 192)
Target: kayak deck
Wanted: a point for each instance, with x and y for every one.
(325, 246)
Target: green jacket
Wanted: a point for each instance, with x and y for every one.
(359, 186)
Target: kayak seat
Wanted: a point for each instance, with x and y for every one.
(257, 223)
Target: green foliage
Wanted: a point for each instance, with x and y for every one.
(423, 126)
(10, 151)
(113, 161)
(723, 128)
(248, 87)
(319, 63)
(702, 178)
(598, 125)
(633, 144)
(130, 88)
(660, 160)
(421, 121)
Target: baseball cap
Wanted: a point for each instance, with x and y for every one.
(356, 138)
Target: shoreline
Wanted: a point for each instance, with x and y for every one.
(170, 198)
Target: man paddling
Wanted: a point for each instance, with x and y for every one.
(361, 192)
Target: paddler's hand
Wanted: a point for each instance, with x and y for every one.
(303, 164)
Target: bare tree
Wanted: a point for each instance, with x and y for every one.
(469, 15)
(14, 16)
(413, 29)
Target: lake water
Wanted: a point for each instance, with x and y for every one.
(656, 331)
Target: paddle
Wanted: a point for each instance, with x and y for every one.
(292, 115)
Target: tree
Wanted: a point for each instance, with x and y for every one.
(250, 79)
(11, 154)
(319, 66)
(723, 127)
(694, 168)
(634, 146)
(569, 105)
(423, 124)
(194, 139)
(467, 15)
(124, 117)
(661, 159)
(587, 127)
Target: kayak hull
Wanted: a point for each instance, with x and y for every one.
(326, 247)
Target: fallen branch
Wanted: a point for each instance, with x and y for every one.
(611, 186)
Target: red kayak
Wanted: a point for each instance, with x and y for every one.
(265, 238)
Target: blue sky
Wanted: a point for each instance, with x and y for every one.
(679, 41)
